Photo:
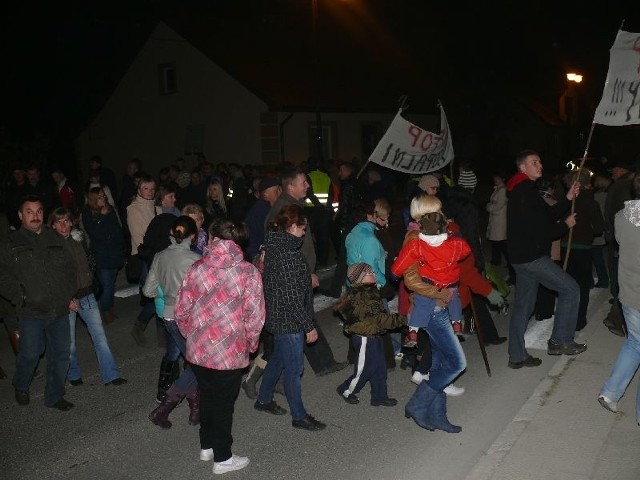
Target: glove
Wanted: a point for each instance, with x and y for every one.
(495, 298)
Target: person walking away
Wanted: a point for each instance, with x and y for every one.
(165, 278)
(627, 230)
(600, 186)
(220, 311)
(366, 320)
(589, 223)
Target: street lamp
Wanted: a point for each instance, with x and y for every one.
(571, 106)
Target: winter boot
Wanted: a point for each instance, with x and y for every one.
(14, 340)
(420, 404)
(250, 383)
(193, 399)
(165, 379)
(160, 416)
(439, 414)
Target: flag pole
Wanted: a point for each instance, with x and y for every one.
(584, 157)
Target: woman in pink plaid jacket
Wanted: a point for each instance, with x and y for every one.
(220, 311)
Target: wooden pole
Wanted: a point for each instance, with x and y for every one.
(573, 202)
(479, 333)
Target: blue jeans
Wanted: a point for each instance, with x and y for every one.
(90, 315)
(627, 362)
(107, 277)
(288, 356)
(187, 379)
(543, 271)
(423, 308)
(448, 360)
(35, 336)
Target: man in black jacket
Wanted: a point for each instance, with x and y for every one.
(531, 226)
(38, 277)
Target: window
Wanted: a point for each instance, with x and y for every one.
(370, 136)
(329, 140)
(167, 78)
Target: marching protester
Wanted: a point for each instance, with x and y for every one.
(530, 228)
(163, 281)
(38, 277)
(220, 311)
(61, 221)
(627, 231)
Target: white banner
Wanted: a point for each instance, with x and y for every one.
(620, 104)
(411, 149)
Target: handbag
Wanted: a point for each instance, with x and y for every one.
(133, 268)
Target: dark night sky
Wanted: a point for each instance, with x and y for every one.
(61, 60)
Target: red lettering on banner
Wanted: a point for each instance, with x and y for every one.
(429, 137)
(415, 132)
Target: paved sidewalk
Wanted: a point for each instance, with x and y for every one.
(562, 432)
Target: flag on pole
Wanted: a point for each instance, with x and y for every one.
(408, 148)
(620, 104)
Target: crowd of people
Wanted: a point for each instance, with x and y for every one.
(226, 260)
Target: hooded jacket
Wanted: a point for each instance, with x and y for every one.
(531, 223)
(287, 285)
(167, 272)
(627, 228)
(220, 308)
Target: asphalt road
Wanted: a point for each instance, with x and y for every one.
(108, 435)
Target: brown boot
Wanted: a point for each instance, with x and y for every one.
(194, 407)
(108, 317)
(14, 340)
(160, 416)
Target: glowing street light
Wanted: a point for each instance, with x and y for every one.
(574, 77)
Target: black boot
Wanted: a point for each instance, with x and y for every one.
(193, 400)
(165, 379)
(250, 383)
(160, 416)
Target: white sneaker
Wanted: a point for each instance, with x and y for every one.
(418, 378)
(231, 464)
(608, 404)
(452, 391)
(206, 454)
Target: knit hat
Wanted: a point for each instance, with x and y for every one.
(357, 271)
(268, 182)
(433, 224)
(428, 181)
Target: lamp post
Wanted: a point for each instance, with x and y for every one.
(571, 108)
(316, 83)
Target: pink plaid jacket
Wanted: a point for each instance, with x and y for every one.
(220, 308)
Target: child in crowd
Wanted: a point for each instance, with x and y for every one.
(437, 253)
(366, 319)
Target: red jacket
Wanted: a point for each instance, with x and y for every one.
(438, 264)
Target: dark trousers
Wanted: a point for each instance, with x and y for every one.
(580, 267)
(340, 273)
(369, 366)
(600, 265)
(218, 392)
(424, 346)
(612, 263)
(499, 250)
(319, 354)
(485, 320)
(36, 336)
(320, 222)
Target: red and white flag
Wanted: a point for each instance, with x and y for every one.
(620, 104)
(408, 148)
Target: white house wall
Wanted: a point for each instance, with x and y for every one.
(137, 121)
